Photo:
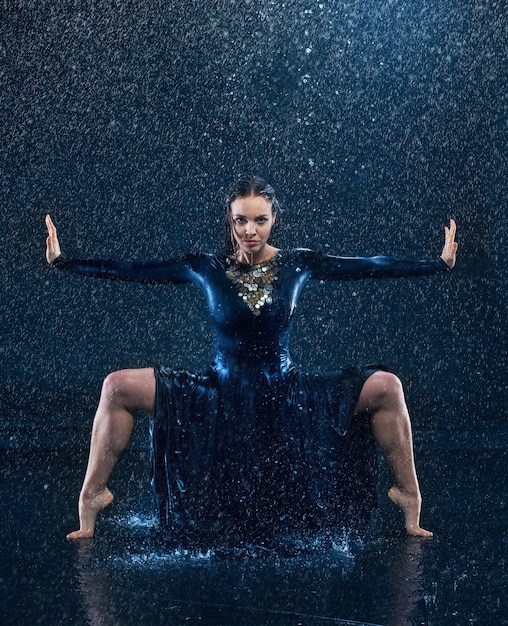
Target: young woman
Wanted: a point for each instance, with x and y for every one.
(255, 447)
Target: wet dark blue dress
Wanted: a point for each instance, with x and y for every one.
(255, 448)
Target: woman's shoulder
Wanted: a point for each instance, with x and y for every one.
(300, 251)
(300, 255)
(197, 258)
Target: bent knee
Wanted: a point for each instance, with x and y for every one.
(386, 384)
(114, 385)
(380, 389)
(132, 389)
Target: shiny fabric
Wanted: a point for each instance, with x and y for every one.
(255, 448)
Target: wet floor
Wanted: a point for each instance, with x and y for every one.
(125, 577)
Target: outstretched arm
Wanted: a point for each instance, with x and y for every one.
(177, 270)
(329, 267)
(450, 247)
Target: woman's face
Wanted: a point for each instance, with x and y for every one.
(252, 219)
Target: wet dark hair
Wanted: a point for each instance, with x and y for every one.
(243, 188)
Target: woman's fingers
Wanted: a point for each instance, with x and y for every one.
(52, 245)
(49, 223)
(450, 235)
(450, 246)
(450, 232)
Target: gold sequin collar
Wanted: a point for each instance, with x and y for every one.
(254, 283)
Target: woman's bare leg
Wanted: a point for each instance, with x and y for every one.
(383, 397)
(123, 393)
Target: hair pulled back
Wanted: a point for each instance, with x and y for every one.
(245, 187)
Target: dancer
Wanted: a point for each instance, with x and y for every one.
(254, 443)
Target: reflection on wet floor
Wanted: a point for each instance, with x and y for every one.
(124, 576)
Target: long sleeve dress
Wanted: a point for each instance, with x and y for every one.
(255, 448)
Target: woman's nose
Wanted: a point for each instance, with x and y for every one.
(251, 228)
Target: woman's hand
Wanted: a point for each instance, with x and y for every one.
(52, 245)
(450, 247)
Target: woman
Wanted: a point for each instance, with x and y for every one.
(254, 445)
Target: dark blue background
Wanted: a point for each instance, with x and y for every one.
(375, 121)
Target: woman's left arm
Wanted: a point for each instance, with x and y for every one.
(329, 267)
(449, 254)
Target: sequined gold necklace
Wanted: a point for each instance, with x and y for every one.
(254, 283)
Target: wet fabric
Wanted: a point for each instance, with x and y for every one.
(256, 458)
(256, 448)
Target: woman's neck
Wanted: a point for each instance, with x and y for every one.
(246, 258)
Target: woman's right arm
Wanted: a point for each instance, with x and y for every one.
(178, 270)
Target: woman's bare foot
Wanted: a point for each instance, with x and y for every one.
(88, 510)
(410, 506)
